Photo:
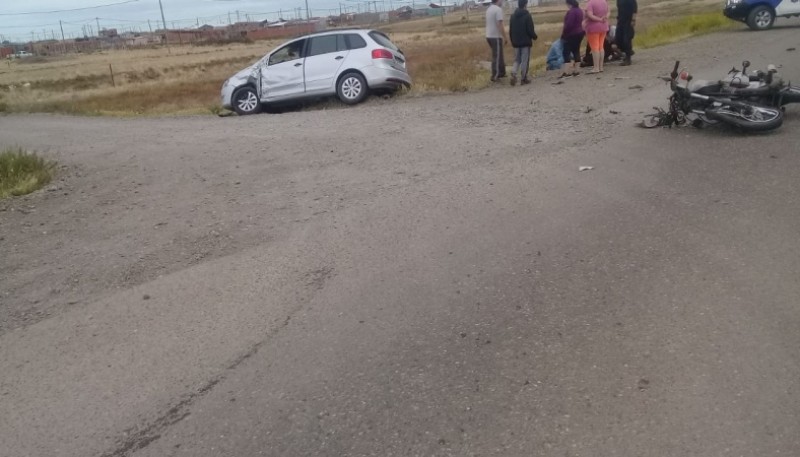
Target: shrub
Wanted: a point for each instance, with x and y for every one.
(22, 172)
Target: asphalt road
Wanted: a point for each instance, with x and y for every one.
(412, 277)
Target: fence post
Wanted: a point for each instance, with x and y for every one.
(112, 75)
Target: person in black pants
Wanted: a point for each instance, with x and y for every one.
(626, 20)
(496, 37)
(572, 35)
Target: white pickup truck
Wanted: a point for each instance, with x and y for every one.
(22, 54)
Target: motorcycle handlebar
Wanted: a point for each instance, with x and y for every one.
(674, 73)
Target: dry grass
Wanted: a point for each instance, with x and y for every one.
(22, 172)
(449, 55)
(678, 29)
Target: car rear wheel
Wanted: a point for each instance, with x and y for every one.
(245, 101)
(352, 88)
(760, 18)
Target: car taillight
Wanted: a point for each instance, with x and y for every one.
(382, 54)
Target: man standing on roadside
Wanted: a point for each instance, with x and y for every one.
(626, 21)
(496, 36)
(520, 28)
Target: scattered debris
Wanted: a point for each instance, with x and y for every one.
(585, 168)
(622, 77)
(145, 297)
(560, 81)
(791, 49)
(613, 112)
(589, 109)
(635, 87)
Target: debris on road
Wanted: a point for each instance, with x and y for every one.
(585, 168)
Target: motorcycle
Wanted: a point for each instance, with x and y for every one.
(763, 88)
(704, 103)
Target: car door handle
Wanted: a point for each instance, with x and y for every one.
(297, 64)
(339, 57)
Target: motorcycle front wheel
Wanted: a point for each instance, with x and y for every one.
(751, 118)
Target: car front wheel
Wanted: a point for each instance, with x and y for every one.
(245, 101)
(352, 88)
(760, 18)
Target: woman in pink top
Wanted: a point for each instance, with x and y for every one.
(597, 14)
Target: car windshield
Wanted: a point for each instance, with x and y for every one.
(383, 40)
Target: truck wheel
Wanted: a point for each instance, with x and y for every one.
(761, 18)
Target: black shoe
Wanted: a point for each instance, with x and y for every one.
(524, 81)
(625, 63)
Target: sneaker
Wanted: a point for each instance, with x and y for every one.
(625, 63)
(513, 80)
(524, 81)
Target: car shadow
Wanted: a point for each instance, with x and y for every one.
(324, 103)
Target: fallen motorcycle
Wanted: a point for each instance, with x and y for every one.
(703, 103)
(763, 88)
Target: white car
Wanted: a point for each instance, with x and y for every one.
(345, 63)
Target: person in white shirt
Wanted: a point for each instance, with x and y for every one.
(496, 37)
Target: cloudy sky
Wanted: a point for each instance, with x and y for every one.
(21, 20)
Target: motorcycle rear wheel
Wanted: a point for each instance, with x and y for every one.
(751, 118)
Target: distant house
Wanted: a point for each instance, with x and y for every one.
(109, 33)
(205, 28)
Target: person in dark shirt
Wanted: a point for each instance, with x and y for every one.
(626, 21)
(572, 34)
(520, 29)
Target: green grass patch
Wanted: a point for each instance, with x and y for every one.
(22, 172)
(674, 30)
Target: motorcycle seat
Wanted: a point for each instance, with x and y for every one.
(703, 87)
(752, 91)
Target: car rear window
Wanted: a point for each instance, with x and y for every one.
(383, 40)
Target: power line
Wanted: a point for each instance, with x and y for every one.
(68, 10)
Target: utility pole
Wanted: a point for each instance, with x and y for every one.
(163, 21)
(238, 18)
(308, 13)
(63, 40)
(98, 26)
(149, 26)
(229, 18)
